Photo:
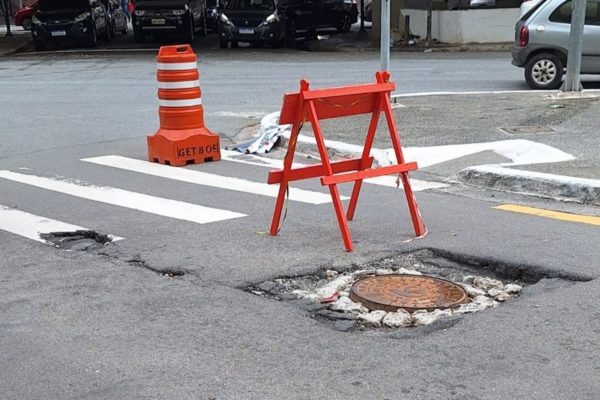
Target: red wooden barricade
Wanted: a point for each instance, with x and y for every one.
(315, 105)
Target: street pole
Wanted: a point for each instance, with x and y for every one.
(572, 82)
(429, 12)
(362, 16)
(385, 35)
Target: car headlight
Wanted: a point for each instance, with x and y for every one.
(35, 20)
(226, 20)
(139, 13)
(82, 17)
(270, 19)
(178, 12)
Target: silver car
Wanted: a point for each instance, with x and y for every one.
(542, 39)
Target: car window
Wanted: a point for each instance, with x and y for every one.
(532, 10)
(252, 5)
(49, 5)
(563, 13)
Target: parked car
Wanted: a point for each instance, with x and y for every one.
(527, 5)
(212, 14)
(69, 21)
(542, 39)
(277, 22)
(117, 17)
(23, 15)
(182, 18)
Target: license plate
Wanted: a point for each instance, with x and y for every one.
(246, 31)
(158, 21)
(58, 33)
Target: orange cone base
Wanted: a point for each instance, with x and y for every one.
(182, 147)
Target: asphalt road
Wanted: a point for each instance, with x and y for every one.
(105, 324)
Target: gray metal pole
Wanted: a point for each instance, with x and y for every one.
(572, 83)
(385, 35)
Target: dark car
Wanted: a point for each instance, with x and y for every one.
(23, 15)
(69, 21)
(278, 22)
(212, 14)
(117, 17)
(181, 18)
(253, 21)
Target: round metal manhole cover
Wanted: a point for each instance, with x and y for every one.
(411, 292)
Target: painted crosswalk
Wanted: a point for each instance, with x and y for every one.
(207, 179)
(123, 198)
(33, 226)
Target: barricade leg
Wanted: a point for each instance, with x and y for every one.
(364, 163)
(415, 215)
(335, 194)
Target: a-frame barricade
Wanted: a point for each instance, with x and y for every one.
(316, 105)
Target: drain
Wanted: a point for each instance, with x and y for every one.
(410, 292)
(81, 240)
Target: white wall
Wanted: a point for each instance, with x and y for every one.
(465, 26)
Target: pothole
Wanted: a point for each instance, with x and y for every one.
(408, 290)
(81, 240)
(168, 272)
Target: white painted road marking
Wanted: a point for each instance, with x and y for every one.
(206, 179)
(388, 180)
(32, 226)
(123, 198)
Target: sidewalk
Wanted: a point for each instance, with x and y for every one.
(10, 45)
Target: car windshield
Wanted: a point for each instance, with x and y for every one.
(50, 5)
(252, 5)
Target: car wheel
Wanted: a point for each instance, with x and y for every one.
(290, 34)
(203, 28)
(544, 71)
(189, 36)
(93, 39)
(138, 36)
(344, 23)
(26, 23)
(39, 46)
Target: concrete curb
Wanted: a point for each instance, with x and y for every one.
(585, 191)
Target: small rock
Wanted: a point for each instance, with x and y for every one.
(472, 291)
(335, 285)
(345, 304)
(423, 317)
(267, 286)
(334, 315)
(405, 271)
(303, 294)
(502, 296)
(373, 318)
(400, 318)
(331, 273)
(328, 296)
(468, 279)
(484, 300)
(344, 325)
(493, 292)
(258, 292)
(512, 288)
(384, 272)
(487, 283)
(469, 308)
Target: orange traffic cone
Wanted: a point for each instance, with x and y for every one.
(182, 137)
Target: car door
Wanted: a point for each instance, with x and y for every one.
(590, 57)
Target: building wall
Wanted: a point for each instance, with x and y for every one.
(452, 26)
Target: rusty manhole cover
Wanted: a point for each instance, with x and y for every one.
(411, 292)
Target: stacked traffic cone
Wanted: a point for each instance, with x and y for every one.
(182, 137)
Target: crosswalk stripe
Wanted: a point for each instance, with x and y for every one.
(32, 226)
(207, 179)
(388, 180)
(123, 198)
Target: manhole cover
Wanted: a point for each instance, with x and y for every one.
(411, 292)
(522, 130)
